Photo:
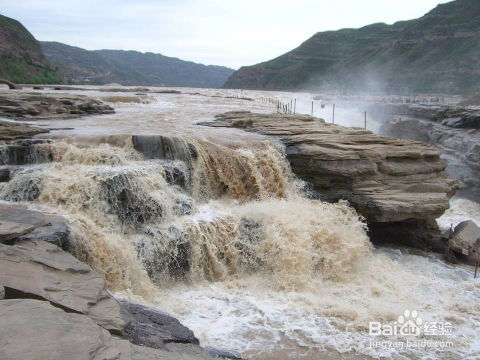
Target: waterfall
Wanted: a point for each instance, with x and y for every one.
(213, 232)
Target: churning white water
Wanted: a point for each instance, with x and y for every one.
(222, 236)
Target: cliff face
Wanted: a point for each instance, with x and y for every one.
(439, 52)
(21, 58)
(131, 68)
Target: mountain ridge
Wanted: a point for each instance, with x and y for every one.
(438, 52)
(130, 67)
(24, 59)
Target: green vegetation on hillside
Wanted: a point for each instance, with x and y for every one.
(25, 60)
(131, 68)
(21, 58)
(439, 52)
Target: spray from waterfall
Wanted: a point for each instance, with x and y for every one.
(235, 211)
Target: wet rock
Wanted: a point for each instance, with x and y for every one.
(154, 328)
(4, 175)
(40, 270)
(461, 146)
(466, 242)
(128, 200)
(450, 257)
(165, 252)
(176, 174)
(250, 234)
(14, 131)
(23, 152)
(32, 329)
(386, 180)
(419, 233)
(31, 106)
(25, 187)
(164, 147)
(11, 230)
(49, 228)
(222, 354)
(450, 116)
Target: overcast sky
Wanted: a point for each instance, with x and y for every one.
(221, 32)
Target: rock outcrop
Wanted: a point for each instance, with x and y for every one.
(154, 328)
(465, 242)
(31, 106)
(41, 226)
(53, 306)
(54, 334)
(455, 130)
(388, 181)
(451, 116)
(25, 151)
(14, 131)
(39, 270)
(11, 230)
(34, 329)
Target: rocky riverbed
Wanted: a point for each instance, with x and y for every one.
(210, 224)
(35, 105)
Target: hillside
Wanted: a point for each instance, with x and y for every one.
(131, 68)
(21, 58)
(439, 52)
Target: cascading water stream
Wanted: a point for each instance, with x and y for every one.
(223, 237)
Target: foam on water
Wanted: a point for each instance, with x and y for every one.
(460, 210)
(237, 252)
(253, 317)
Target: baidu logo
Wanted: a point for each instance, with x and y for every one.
(409, 324)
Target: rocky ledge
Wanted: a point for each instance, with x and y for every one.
(460, 117)
(453, 129)
(399, 186)
(31, 106)
(10, 130)
(53, 306)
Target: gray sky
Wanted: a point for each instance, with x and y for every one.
(229, 32)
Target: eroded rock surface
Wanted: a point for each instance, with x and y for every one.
(387, 180)
(31, 106)
(33, 329)
(455, 130)
(52, 306)
(450, 116)
(39, 270)
(11, 230)
(154, 328)
(14, 131)
(44, 227)
(25, 151)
